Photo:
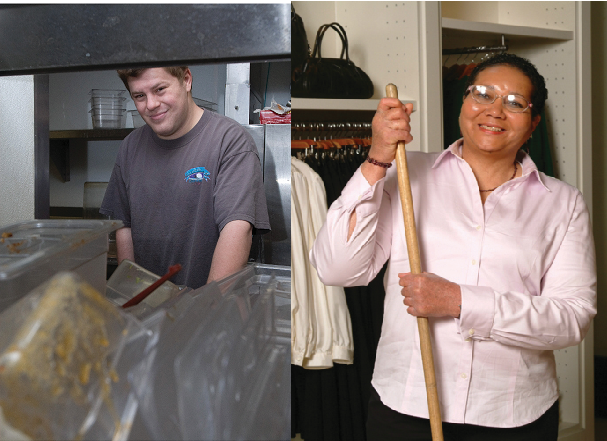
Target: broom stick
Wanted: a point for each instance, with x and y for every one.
(406, 199)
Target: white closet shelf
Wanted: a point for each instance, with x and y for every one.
(463, 27)
(335, 104)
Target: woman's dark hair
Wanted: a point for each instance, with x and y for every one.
(539, 92)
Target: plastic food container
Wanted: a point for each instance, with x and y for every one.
(71, 363)
(32, 252)
(222, 366)
(108, 108)
(108, 119)
(137, 119)
(233, 374)
(129, 279)
(115, 101)
(103, 108)
(107, 93)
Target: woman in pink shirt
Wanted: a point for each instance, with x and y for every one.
(509, 260)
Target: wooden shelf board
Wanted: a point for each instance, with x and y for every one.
(333, 104)
(455, 26)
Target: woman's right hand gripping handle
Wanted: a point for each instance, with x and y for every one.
(391, 124)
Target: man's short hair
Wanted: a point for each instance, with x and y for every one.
(124, 74)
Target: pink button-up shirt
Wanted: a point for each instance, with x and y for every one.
(525, 263)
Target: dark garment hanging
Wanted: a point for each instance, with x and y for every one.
(331, 404)
(453, 96)
(539, 147)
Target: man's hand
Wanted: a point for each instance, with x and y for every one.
(428, 295)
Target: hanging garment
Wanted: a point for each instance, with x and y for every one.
(321, 330)
(331, 404)
(539, 147)
(454, 88)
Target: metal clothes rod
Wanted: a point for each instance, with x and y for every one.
(330, 126)
(328, 130)
(475, 50)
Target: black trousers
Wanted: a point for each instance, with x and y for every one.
(385, 424)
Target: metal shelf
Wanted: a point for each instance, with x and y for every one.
(59, 145)
(92, 135)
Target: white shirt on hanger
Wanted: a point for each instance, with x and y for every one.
(321, 330)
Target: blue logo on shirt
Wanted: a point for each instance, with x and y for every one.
(197, 175)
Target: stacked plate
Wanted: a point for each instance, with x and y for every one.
(108, 108)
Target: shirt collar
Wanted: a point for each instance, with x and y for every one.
(530, 170)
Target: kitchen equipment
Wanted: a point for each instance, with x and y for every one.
(233, 373)
(129, 279)
(137, 119)
(223, 361)
(147, 291)
(107, 93)
(108, 119)
(108, 102)
(31, 252)
(70, 362)
(108, 110)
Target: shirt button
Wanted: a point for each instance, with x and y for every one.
(473, 262)
(471, 332)
(468, 339)
(478, 227)
(463, 375)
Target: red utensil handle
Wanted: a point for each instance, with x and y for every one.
(146, 292)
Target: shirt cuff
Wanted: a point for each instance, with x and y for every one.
(477, 312)
(358, 194)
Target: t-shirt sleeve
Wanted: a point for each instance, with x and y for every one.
(115, 201)
(239, 193)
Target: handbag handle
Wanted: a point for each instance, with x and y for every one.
(342, 34)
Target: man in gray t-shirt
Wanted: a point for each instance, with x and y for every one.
(187, 186)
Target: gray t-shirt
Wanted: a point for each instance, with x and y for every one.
(177, 195)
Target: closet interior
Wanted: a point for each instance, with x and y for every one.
(416, 45)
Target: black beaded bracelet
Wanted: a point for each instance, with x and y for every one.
(381, 164)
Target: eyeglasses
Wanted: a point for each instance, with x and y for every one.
(487, 95)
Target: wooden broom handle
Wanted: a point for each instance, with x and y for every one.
(406, 199)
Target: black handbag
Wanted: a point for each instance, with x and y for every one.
(331, 77)
(300, 48)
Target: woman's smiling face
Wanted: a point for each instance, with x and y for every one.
(491, 129)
